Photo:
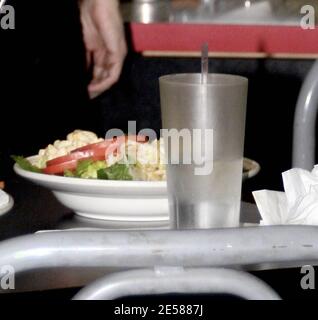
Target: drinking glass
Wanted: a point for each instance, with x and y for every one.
(204, 172)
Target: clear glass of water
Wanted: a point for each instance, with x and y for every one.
(203, 131)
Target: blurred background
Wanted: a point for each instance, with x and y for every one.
(43, 87)
(259, 39)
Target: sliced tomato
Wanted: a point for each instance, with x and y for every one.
(61, 167)
(96, 151)
(95, 154)
(107, 142)
(138, 138)
(102, 144)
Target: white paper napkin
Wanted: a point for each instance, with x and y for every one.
(297, 205)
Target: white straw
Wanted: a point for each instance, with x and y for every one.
(204, 63)
(2, 3)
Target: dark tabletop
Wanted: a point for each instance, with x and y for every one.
(35, 208)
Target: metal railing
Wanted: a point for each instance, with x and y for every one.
(230, 248)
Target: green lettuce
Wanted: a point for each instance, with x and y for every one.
(86, 169)
(25, 164)
(118, 171)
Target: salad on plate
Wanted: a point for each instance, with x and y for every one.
(84, 155)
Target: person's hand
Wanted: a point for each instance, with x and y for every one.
(105, 42)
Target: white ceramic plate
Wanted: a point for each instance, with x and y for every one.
(7, 207)
(107, 199)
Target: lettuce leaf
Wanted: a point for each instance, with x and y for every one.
(86, 169)
(25, 164)
(118, 171)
